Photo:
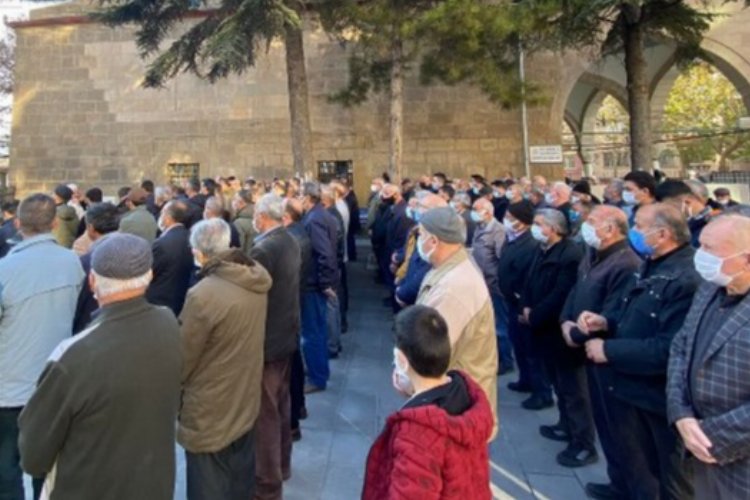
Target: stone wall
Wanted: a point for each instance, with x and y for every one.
(81, 116)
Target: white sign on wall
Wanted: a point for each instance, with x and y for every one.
(546, 154)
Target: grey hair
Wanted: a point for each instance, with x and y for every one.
(326, 193)
(161, 193)
(668, 217)
(554, 219)
(106, 287)
(214, 205)
(463, 199)
(486, 205)
(311, 189)
(272, 205)
(562, 187)
(698, 188)
(617, 184)
(210, 237)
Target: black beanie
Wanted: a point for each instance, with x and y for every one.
(523, 211)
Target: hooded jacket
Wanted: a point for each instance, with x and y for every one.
(243, 222)
(67, 225)
(222, 335)
(426, 453)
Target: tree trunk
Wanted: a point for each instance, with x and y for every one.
(638, 96)
(299, 110)
(397, 111)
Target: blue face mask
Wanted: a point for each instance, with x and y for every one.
(638, 241)
(575, 216)
(476, 216)
(409, 213)
(416, 216)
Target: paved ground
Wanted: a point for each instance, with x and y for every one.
(328, 464)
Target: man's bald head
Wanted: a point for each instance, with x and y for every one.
(726, 235)
(431, 201)
(390, 191)
(484, 205)
(606, 214)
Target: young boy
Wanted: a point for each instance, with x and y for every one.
(435, 446)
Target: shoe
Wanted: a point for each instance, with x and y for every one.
(537, 403)
(575, 456)
(519, 387)
(303, 413)
(312, 388)
(296, 435)
(600, 491)
(554, 432)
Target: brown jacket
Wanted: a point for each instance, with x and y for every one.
(223, 330)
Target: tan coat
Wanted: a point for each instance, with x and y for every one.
(222, 335)
(458, 291)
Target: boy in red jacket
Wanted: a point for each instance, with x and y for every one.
(435, 446)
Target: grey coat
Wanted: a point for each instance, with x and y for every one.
(486, 249)
(139, 222)
(720, 396)
(243, 222)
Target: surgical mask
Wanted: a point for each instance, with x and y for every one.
(497, 195)
(402, 381)
(410, 213)
(709, 267)
(509, 195)
(420, 250)
(549, 198)
(373, 188)
(416, 215)
(588, 232)
(475, 190)
(629, 198)
(454, 206)
(575, 199)
(476, 216)
(638, 241)
(509, 226)
(536, 232)
(161, 225)
(575, 216)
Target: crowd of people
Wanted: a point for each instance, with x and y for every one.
(219, 304)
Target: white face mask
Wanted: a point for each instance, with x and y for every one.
(549, 198)
(629, 198)
(422, 254)
(589, 236)
(509, 226)
(709, 267)
(402, 381)
(538, 234)
(509, 195)
(575, 199)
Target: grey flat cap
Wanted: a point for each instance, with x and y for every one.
(121, 256)
(445, 224)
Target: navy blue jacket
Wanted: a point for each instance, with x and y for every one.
(322, 229)
(408, 288)
(173, 269)
(87, 304)
(398, 228)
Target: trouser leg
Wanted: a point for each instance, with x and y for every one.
(315, 338)
(11, 476)
(519, 346)
(226, 474)
(504, 347)
(573, 395)
(539, 378)
(297, 388)
(333, 321)
(675, 472)
(273, 430)
(343, 293)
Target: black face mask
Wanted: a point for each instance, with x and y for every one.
(424, 186)
(388, 201)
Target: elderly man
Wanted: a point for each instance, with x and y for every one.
(320, 284)
(138, 221)
(277, 251)
(292, 219)
(691, 197)
(551, 277)
(173, 261)
(461, 203)
(456, 288)
(602, 276)
(412, 272)
(334, 302)
(514, 266)
(244, 214)
(637, 337)
(559, 198)
(109, 396)
(613, 194)
(40, 282)
(223, 330)
(397, 229)
(214, 209)
(708, 381)
(486, 249)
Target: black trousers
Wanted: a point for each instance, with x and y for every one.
(11, 475)
(227, 474)
(343, 293)
(655, 466)
(569, 381)
(601, 408)
(297, 388)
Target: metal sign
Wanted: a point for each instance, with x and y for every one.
(546, 154)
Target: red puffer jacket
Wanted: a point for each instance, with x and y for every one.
(425, 453)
